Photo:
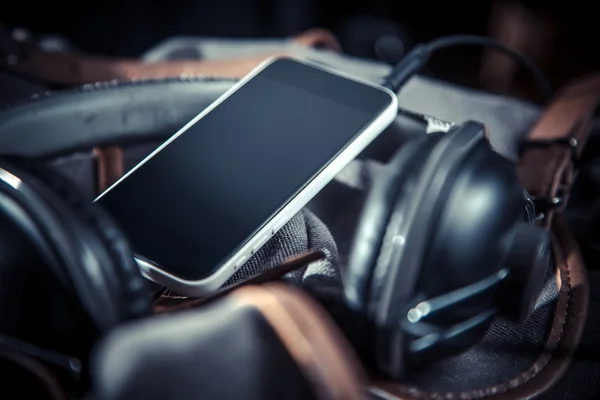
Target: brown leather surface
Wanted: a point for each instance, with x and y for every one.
(562, 341)
(320, 38)
(310, 336)
(72, 69)
(547, 169)
(109, 166)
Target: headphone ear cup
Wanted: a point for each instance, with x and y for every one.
(529, 260)
(383, 264)
(373, 223)
(114, 279)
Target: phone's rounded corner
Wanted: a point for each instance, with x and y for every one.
(181, 286)
(392, 108)
(393, 96)
(276, 58)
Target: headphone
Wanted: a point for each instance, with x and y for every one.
(80, 245)
(447, 241)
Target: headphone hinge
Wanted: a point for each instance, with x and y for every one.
(543, 204)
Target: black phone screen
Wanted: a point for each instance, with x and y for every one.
(189, 207)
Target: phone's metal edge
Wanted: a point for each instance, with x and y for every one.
(295, 205)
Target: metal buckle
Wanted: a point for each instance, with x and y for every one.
(537, 207)
(543, 204)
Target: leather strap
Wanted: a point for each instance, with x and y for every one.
(311, 337)
(551, 150)
(70, 69)
(109, 165)
(66, 69)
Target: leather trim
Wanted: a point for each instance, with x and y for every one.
(70, 69)
(546, 167)
(67, 69)
(319, 38)
(563, 339)
(311, 338)
(109, 166)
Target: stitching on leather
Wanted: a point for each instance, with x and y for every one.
(525, 377)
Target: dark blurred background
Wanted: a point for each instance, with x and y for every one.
(559, 36)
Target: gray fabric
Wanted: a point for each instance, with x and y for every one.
(327, 223)
(304, 232)
(506, 119)
(218, 49)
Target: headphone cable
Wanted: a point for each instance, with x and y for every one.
(418, 57)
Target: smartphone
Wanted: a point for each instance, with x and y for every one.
(201, 204)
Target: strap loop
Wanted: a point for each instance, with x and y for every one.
(551, 152)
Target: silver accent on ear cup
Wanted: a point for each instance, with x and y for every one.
(428, 307)
(431, 339)
(414, 314)
(10, 179)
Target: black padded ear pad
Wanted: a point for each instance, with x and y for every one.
(86, 243)
(374, 219)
